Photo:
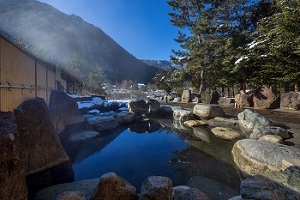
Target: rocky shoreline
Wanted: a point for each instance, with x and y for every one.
(264, 152)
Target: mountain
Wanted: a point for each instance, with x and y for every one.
(57, 38)
(162, 64)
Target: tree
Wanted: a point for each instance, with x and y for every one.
(168, 80)
(274, 55)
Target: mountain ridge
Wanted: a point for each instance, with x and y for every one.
(54, 36)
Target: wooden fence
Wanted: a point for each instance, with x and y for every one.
(22, 77)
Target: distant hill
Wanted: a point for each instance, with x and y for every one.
(57, 38)
(162, 64)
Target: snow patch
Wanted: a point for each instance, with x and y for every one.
(94, 111)
(241, 59)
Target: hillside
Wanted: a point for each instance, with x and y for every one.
(57, 38)
(162, 64)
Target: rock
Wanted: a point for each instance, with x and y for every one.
(12, 177)
(156, 187)
(253, 157)
(71, 195)
(248, 120)
(225, 133)
(87, 116)
(212, 188)
(180, 127)
(210, 97)
(177, 99)
(264, 188)
(271, 138)
(291, 166)
(189, 194)
(202, 134)
(64, 109)
(226, 102)
(266, 97)
(259, 131)
(290, 101)
(195, 123)
(85, 187)
(41, 148)
(205, 111)
(223, 122)
(153, 105)
(186, 96)
(101, 123)
(236, 198)
(166, 111)
(125, 117)
(183, 115)
(82, 135)
(138, 106)
(111, 186)
(243, 100)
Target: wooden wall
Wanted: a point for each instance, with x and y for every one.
(23, 77)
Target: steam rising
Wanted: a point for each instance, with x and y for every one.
(56, 37)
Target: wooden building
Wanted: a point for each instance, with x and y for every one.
(23, 76)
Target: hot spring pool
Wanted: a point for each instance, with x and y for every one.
(145, 149)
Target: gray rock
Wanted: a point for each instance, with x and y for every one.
(180, 126)
(236, 198)
(205, 111)
(264, 188)
(71, 195)
(189, 194)
(101, 123)
(45, 161)
(125, 117)
(226, 102)
(177, 99)
(111, 186)
(253, 157)
(183, 115)
(223, 122)
(82, 135)
(260, 131)
(271, 138)
(63, 110)
(248, 120)
(156, 187)
(153, 105)
(226, 133)
(138, 106)
(12, 177)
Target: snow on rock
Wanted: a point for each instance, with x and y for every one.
(84, 104)
(94, 111)
(97, 100)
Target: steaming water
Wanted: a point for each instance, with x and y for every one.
(150, 149)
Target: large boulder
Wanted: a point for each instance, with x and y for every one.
(195, 123)
(102, 123)
(253, 157)
(260, 131)
(205, 111)
(125, 117)
(156, 187)
(226, 102)
(271, 185)
(210, 97)
(42, 152)
(290, 101)
(153, 105)
(187, 193)
(243, 100)
(111, 186)
(248, 120)
(186, 96)
(266, 97)
(63, 110)
(183, 115)
(138, 106)
(12, 177)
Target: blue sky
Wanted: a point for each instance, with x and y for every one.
(142, 27)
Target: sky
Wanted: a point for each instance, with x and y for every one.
(142, 27)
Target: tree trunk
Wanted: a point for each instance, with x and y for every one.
(201, 81)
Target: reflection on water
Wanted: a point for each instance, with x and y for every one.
(157, 149)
